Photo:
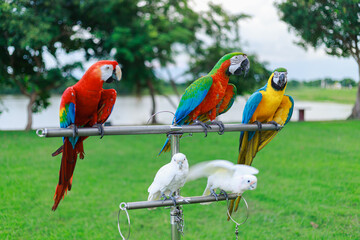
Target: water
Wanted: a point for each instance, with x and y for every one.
(136, 111)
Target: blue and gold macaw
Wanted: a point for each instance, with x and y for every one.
(266, 105)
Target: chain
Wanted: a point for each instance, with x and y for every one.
(180, 221)
(236, 223)
(237, 231)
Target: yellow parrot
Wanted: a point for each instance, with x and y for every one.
(266, 105)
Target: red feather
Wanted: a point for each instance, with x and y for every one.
(93, 105)
(68, 162)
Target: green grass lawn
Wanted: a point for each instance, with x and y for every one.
(308, 186)
(347, 96)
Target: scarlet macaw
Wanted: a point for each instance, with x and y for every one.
(84, 104)
(210, 95)
(266, 105)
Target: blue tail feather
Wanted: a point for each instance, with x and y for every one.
(166, 142)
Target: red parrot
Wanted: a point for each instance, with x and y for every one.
(85, 104)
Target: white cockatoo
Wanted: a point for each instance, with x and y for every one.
(224, 175)
(169, 178)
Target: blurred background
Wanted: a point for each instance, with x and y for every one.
(162, 46)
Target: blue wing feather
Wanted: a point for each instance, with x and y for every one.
(67, 111)
(192, 98)
(291, 109)
(250, 107)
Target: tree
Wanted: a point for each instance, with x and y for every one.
(138, 34)
(27, 30)
(147, 34)
(225, 38)
(257, 76)
(333, 24)
(348, 82)
(142, 35)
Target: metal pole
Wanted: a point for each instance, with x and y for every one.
(175, 143)
(174, 132)
(175, 211)
(182, 201)
(150, 129)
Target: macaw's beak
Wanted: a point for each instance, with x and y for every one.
(241, 67)
(282, 80)
(116, 75)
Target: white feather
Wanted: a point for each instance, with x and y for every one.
(106, 71)
(205, 169)
(225, 175)
(170, 177)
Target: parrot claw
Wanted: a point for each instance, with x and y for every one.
(222, 192)
(163, 197)
(274, 123)
(221, 126)
(204, 125)
(173, 199)
(213, 193)
(100, 127)
(259, 124)
(75, 130)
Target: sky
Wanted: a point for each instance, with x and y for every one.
(268, 37)
(265, 35)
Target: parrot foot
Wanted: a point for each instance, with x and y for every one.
(213, 193)
(100, 127)
(204, 125)
(259, 124)
(221, 126)
(75, 129)
(173, 199)
(274, 123)
(163, 197)
(222, 192)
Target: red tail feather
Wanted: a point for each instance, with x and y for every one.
(68, 162)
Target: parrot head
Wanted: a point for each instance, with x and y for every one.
(105, 71)
(239, 63)
(234, 63)
(180, 160)
(245, 182)
(110, 71)
(279, 79)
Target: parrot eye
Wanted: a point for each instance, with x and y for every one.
(235, 59)
(248, 181)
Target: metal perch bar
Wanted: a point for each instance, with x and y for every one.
(151, 129)
(175, 132)
(181, 201)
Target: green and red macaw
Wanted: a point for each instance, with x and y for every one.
(210, 95)
(269, 104)
(85, 104)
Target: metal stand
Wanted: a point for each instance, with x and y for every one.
(174, 132)
(176, 220)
